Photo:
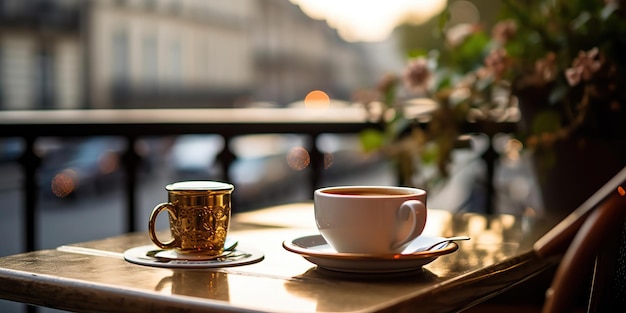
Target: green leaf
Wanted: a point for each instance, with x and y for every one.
(444, 17)
(470, 53)
(515, 48)
(445, 81)
(417, 53)
(430, 154)
(371, 139)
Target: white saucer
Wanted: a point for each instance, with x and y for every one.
(169, 259)
(316, 250)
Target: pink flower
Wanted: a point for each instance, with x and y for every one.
(584, 67)
(503, 31)
(497, 62)
(546, 68)
(417, 74)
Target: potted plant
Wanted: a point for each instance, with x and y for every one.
(558, 65)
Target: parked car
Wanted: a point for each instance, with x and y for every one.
(10, 149)
(194, 157)
(85, 164)
(260, 171)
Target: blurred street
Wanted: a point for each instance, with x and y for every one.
(96, 209)
(96, 214)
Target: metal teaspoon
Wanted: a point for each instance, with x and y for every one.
(444, 240)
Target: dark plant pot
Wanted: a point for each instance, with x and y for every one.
(573, 169)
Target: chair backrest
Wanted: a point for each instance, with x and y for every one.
(591, 238)
(608, 292)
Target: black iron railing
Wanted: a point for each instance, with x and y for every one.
(133, 124)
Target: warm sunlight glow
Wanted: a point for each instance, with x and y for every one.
(317, 99)
(370, 20)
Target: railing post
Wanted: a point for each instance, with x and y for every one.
(490, 157)
(226, 158)
(30, 163)
(317, 164)
(131, 161)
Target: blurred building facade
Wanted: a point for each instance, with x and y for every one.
(79, 54)
(40, 54)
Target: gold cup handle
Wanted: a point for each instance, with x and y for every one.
(152, 225)
(163, 282)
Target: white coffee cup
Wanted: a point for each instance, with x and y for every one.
(370, 219)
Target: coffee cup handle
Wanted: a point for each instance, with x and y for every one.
(152, 225)
(416, 211)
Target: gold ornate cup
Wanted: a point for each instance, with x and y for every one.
(199, 216)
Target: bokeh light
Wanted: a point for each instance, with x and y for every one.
(64, 183)
(108, 162)
(463, 12)
(328, 160)
(513, 149)
(370, 20)
(298, 158)
(317, 99)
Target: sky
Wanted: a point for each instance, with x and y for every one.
(369, 20)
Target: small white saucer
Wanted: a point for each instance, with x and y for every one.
(169, 259)
(316, 250)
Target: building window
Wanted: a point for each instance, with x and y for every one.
(175, 65)
(150, 63)
(121, 67)
(45, 80)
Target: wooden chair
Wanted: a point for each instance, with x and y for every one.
(591, 274)
(593, 240)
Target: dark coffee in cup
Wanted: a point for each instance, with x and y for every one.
(372, 192)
